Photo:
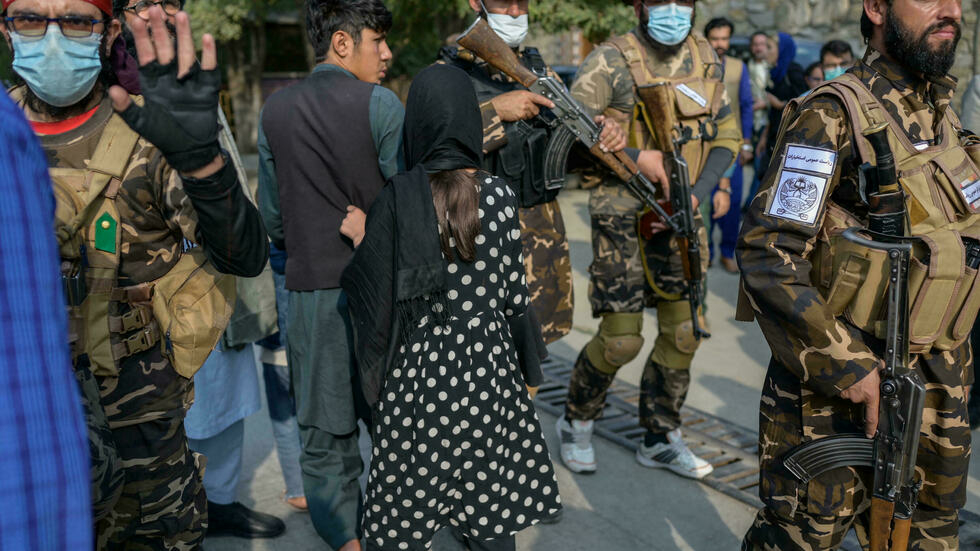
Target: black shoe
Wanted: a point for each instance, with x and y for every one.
(240, 521)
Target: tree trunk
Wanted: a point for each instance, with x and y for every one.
(246, 60)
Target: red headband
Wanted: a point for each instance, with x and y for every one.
(104, 5)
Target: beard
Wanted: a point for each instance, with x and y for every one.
(37, 105)
(914, 53)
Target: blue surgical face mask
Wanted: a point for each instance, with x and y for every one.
(669, 24)
(59, 70)
(831, 74)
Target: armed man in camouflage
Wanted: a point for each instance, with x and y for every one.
(818, 300)
(636, 266)
(132, 187)
(515, 143)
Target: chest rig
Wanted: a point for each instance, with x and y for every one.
(697, 98)
(941, 184)
(521, 162)
(184, 311)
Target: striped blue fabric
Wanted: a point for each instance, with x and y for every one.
(44, 459)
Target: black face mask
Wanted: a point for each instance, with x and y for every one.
(914, 52)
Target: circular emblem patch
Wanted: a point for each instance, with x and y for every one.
(798, 194)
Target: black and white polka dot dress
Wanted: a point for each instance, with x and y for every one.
(457, 442)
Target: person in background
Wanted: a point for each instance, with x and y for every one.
(326, 147)
(813, 75)
(282, 405)
(738, 84)
(787, 83)
(836, 57)
(44, 459)
(760, 78)
(442, 256)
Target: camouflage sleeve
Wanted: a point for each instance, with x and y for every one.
(493, 128)
(604, 81)
(177, 206)
(729, 136)
(774, 249)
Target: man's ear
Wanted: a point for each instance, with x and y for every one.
(876, 10)
(115, 29)
(475, 5)
(638, 8)
(342, 44)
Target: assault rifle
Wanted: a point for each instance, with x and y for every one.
(571, 123)
(669, 137)
(891, 454)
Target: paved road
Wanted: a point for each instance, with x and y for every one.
(623, 506)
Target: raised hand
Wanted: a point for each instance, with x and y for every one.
(180, 114)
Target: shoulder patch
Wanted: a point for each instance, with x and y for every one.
(801, 185)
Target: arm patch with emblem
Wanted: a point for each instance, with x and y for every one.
(801, 184)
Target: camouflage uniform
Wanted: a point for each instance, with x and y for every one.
(546, 257)
(162, 503)
(816, 356)
(627, 273)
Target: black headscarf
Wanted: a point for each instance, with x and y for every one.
(443, 125)
(397, 275)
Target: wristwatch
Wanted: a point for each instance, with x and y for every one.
(747, 147)
(727, 190)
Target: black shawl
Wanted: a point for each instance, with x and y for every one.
(397, 275)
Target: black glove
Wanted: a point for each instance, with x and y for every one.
(180, 115)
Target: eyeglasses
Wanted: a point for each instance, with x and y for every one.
(35, 26)
(142, 8)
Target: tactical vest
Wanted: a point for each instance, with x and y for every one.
(944, 292)
(697, 97)
(184, 312)
(521, 161)
(734, 68)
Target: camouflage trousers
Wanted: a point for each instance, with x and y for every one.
(163, 505)
(662, 393)
(548, 267)
(106, 470)
(932, 530)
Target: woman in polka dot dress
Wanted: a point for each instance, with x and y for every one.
(457, 442)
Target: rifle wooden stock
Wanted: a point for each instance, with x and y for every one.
(880, 532)
(660, 106)
(482, 41)
(619, 162)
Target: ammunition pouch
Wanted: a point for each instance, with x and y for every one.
(944, 293)
(522, 162)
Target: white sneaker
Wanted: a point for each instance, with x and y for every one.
(675, 456)
(577, 452)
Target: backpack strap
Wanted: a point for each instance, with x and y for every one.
(105, 169)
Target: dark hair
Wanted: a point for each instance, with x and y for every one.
(324, 18)
(811, 67)
(718, 23)
(866, 25)
(838, 48)
(456, 197)
(758, 33)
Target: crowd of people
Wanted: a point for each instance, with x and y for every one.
(403, 267)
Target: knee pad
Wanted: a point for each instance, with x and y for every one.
(618, 341)
(675, 344)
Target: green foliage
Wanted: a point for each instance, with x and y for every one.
(598, 19)
(227, 19)
(421, 28)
